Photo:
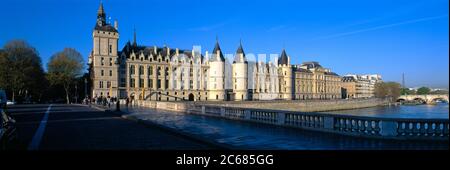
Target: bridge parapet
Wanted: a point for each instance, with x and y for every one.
(371, 127)
(430, 98)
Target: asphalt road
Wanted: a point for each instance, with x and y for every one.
(77, 127)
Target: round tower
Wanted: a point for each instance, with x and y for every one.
(239, 75)
(216, 83)
(285, 76)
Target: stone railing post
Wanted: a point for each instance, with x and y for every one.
(388, 128)
(281, 117)
(222, 112)
(203, 110)
(328, 122)
(247, 114)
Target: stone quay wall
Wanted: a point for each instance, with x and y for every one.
(304, 105)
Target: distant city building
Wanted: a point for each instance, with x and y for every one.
(312, 81)
(359, 86)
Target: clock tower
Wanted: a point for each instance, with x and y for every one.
(103, 60)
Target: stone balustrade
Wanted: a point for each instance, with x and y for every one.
(372, 127)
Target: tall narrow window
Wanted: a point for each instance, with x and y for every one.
(158, 84)
(132, 70)
(141, 70)
(132, 82)
(110, 49)
(150, 83)
(150, 70)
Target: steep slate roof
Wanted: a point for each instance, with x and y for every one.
(240, 50)
(149, 50)
(348, 78)
(302, 70)
(311, 64)
(237, 58)
(331, 73)
(283, 58)
(217, 48)
(106, 27)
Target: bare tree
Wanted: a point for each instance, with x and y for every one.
(387, 90)
(64, 67)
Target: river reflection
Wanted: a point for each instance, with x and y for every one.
(245, 135)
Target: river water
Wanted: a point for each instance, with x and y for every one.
(439, 111)
(246, 135)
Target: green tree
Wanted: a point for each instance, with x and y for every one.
(21, 71)
(423, 90)
(406, 91)
(64, 67)
(439, 92)
(387, 90)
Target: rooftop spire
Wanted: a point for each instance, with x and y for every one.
(217, 49)
(101, 11)
(283, 58)
(240, 55)
(240, 50)
(134, 38)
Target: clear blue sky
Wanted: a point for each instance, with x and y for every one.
(380, 36)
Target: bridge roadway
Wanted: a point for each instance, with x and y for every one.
(74, 127)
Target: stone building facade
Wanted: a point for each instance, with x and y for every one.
(348, 87)
(360, 86)
(312, 81)
(104, 57)
(170, 74)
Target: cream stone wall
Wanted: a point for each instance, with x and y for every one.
(240, 79)
(104, 62)
(216, 80)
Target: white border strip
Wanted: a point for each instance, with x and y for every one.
(36, 141)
